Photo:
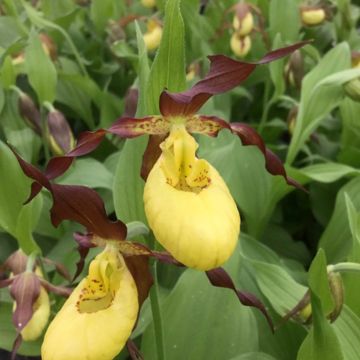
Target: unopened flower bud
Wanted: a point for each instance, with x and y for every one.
(243, 22)
(355, 59)
(153, 35)
(352, 89)
(61, 138)
(115, 32)
(312, 15)
(148, 3)
(294, 70)
(240, 45)
(291, 120)
(30, 113)
(16, 262)
(337, 292)
(48, 46)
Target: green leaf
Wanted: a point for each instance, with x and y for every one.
(282, 291)
(40, 70)
(7, 73)
(168, 69)
(16, 219)
(321, 92)
(100, 13)
(284, 18)
(88, 172)
(128, 187)
(8, 334)
(350, 135)
(347, 329)
(319, 283)
(144, 72)
(17, 132)
(254, 356)
(351, 280)
(329, 172)
(277, 69)
(77, 91)
(322, 341)
(336, 240)
(194, 307)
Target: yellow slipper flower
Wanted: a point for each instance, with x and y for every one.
(189, 207)
(97, 319)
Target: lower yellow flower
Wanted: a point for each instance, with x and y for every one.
(97, 319)
(188, 205)
(39, 319)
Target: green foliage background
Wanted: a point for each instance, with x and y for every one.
(287, 236)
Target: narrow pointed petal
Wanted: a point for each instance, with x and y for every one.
(90, 140)
(87, 142)
(273, 164)
(139, 269)
(209, 125)
(224, 75)
(220, 278)
(133, 350)
(85, 206)
(77, 203)
(151, 154)
(97, 319)
(131, 127)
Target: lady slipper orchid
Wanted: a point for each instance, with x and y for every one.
(97, 319)
(84, 205)
(188, 205)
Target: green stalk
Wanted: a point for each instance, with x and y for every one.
(266, 107)
(157, 318)
(344, 267)
(155, 306)
(44, 133)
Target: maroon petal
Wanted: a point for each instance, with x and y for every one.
(224, 75)
(131, 127)
(131, 101)
(166, 258)
(151, 154)
(58, 290)
(76, 203)
(84, 244)
(25, 290)
(87, 142)
(16, 345)
(6, 282)
(209, 125)
(60, 268)
(85, 206)
(220, 278)
(133, 350)
(273, 164)
(139, 268)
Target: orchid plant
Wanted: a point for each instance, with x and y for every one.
(188, 206)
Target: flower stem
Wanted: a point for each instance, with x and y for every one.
(44, 133)
(157, 318)
(344, 267)
(155, 305)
